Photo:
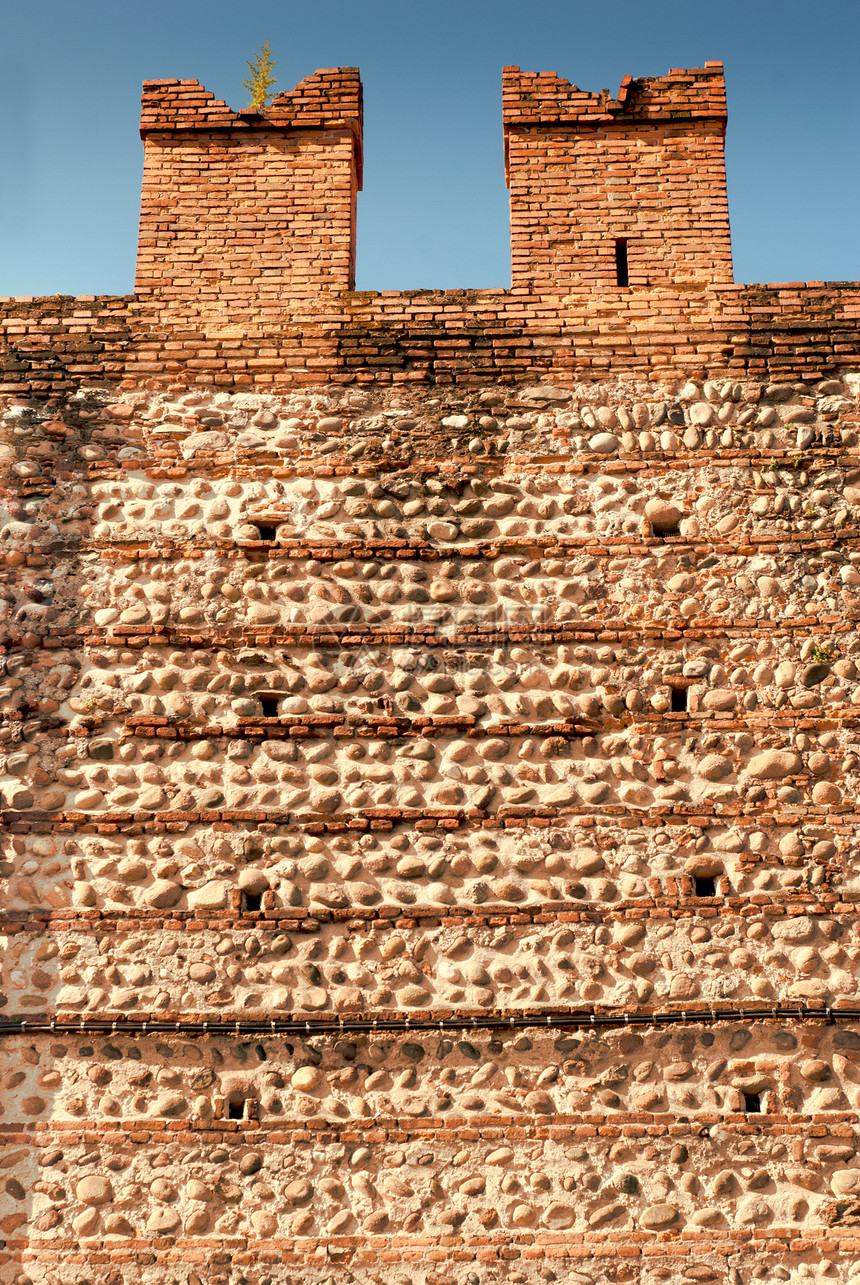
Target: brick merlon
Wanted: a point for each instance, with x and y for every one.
(543, 98)
(331, 98)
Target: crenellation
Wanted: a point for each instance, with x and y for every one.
(634, 186)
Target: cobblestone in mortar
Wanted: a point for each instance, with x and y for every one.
(598, 957)
(583, 861)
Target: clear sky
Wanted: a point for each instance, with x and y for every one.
(434, 208)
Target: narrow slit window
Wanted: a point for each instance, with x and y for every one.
(270, 706)
(622, 275)
(236, 1109)
(751, 1103)
(679, 700)
(252, 901)
(704, 887)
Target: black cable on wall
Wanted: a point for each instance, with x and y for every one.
(46, 1024)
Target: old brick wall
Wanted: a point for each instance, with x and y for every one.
(429, 756)
(240, 209)
(587, 170)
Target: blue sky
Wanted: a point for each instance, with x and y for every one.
(434, 208)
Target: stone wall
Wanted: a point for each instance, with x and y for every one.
(481, 665)
(320, 708)
(584, 1158)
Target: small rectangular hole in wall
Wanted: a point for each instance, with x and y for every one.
(662, 531)
(622, 275)
(252, 901)
(703, 887)
(235, 1110)
(679, 700)
(751, 1103)
(267, 530)
(270, 706)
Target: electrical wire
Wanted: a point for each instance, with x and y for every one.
(304, 1025)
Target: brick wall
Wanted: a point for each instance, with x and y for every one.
(240, 209)
(587, 170)
(787, 332)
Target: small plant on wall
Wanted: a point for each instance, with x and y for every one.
(261, 82)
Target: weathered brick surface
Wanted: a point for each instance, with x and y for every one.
(244, 209)
(586, 170)
(483, 664)
(797, 331)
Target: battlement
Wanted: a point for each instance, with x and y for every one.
(325, 99)
(538, 98)
(617, 192)
(621, 255)
(240, 208)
